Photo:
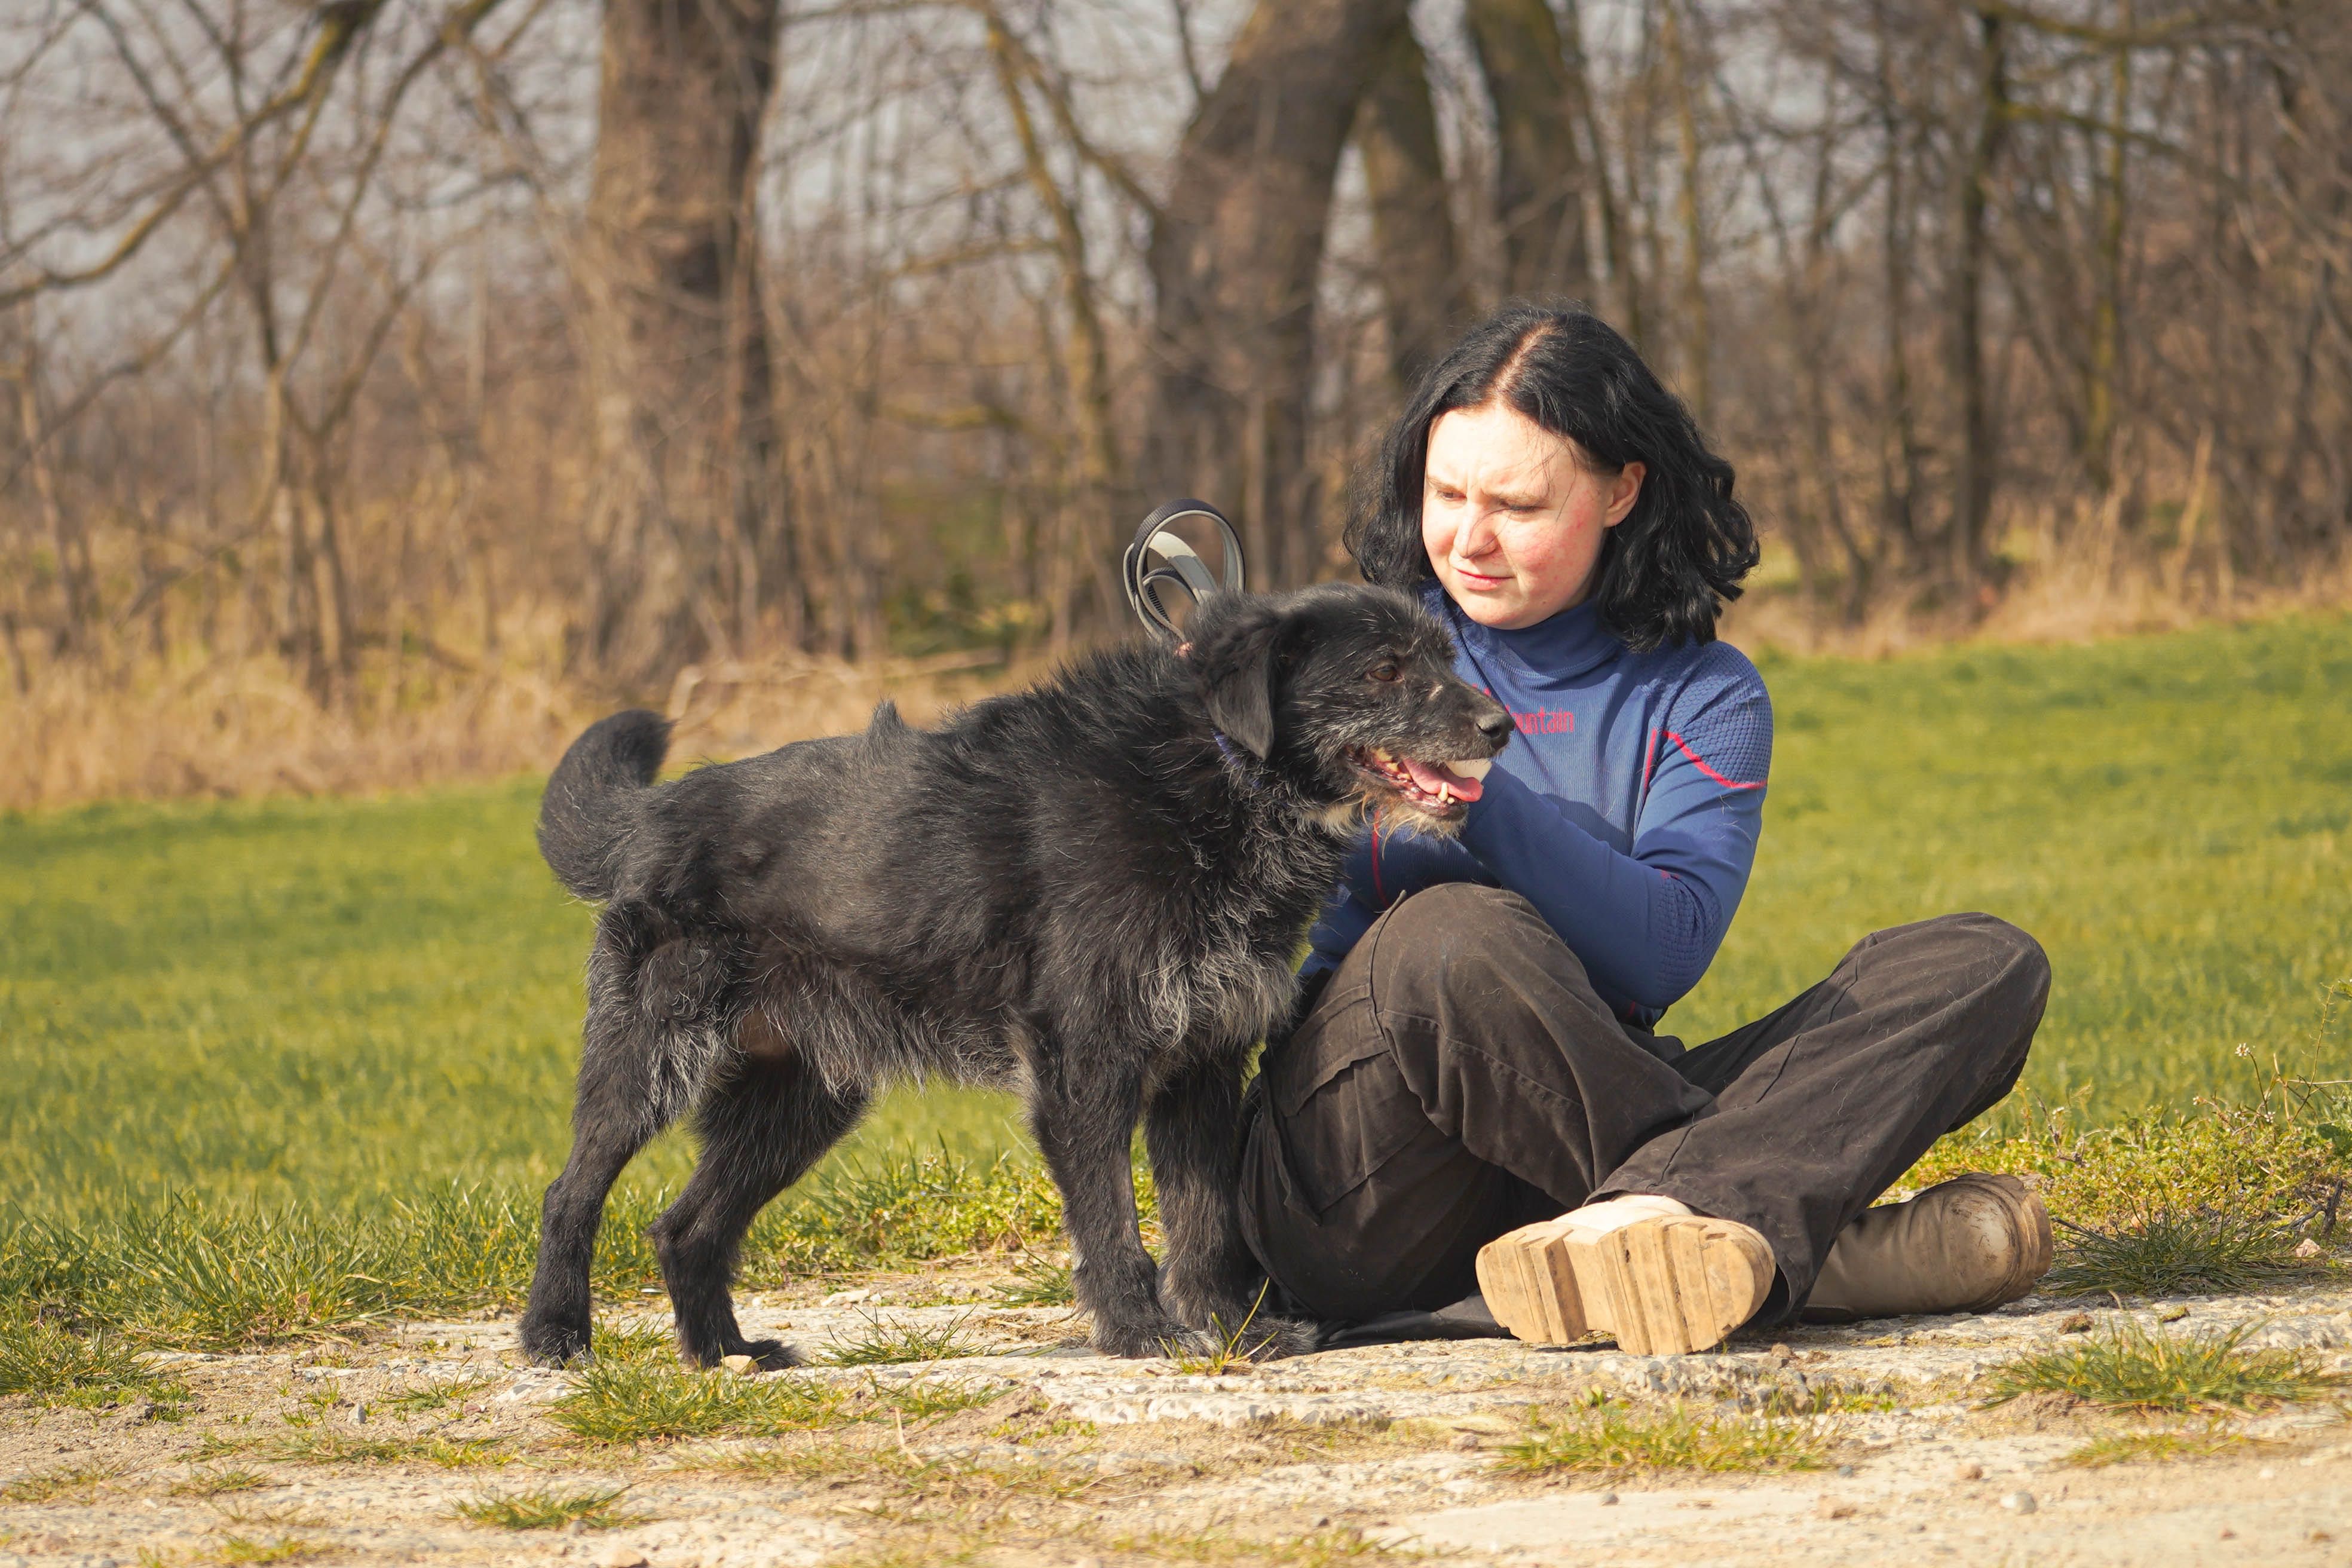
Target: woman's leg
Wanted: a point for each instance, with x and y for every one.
(1458, 1077)
(1822, 1105)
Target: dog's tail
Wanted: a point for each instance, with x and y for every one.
(593, 799)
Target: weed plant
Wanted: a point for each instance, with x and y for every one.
(2205, 1252)
(317, 1448)
(221, 1483)
(1607, 1439)
(620, 1400)
(64, 1482)
(1041, 1282)
(2134, 1367)
(40, 1359)
(892, 1342)
(544, 1507)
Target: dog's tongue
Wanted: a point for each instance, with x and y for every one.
(1430, 775)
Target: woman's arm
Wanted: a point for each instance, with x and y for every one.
(1645, 924)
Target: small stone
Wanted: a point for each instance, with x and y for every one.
(2265, 1473)
(1970, 1471)
(2076, 1323)
(1466, 1441)
(1607, 1500)
(1322, 1522)
(740, 1365)
(2307, 1247)
(2318, 1535)
(1834, 1507)
(1088, 1563)
(359, 1415)
(1845, 1469)
(1782, 1353)
(2172, 1314)
(2228, 1534)
(619, 1556)
(2020, 1503)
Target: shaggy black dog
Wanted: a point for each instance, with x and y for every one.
(1093, 893)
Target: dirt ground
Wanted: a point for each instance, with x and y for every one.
(363, 1454)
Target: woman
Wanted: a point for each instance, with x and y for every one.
(1475, 1097)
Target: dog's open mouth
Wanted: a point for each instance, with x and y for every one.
(1440, 789)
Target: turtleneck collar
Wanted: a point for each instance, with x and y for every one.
(1573, 643)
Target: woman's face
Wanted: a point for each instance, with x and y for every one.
(1511, 516)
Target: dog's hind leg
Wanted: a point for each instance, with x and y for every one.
(614, 1115)
(762, 1126)
(1083, 1128)
(1192, 1129)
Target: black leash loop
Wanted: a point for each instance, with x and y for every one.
(1180, 565)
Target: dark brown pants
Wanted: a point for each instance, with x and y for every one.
(1457, 1078)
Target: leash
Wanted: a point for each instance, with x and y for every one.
(1180, 565)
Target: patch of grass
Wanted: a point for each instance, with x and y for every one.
(306, 1447)
(432, 1395)
(2148, 1369)
(66, 1481)
(1610, 1439)
(40, 1359)
(924, 1398)
(617, 1401)
(544, 1507)
(234, 1550)
(219, 1483)
(1042, 1282)
(1315, 1550)
(2137, 1448)
(891, 1342)
(2204, 1252)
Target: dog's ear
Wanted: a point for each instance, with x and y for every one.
(1236, 651)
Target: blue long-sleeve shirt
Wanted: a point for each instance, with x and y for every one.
(1626, 809)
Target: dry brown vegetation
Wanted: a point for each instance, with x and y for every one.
(385, 387)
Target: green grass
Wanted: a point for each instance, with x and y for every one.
(1610, 1439)
(286, 1067)
(544, 1507)
(2128, 1366)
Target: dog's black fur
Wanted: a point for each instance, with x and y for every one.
(1093, 892)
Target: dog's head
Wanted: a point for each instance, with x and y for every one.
(1348, 694)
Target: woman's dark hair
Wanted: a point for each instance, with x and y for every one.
(1666, 570)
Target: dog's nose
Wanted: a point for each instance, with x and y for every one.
(1496, 726)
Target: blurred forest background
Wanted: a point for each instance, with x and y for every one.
(385, 384)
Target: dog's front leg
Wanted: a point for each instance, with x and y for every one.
(1192, 1129)
(1083, 1124)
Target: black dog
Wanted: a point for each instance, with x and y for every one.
(1093, 892)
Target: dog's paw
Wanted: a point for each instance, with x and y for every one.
(1272, 1339)
(1145, 1338)
(551, 1342)
(768, 1356)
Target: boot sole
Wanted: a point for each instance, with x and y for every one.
(1660, 1286)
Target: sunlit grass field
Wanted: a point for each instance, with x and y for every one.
(326, 999)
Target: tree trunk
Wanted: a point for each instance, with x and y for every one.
(1538, 171)
(1234, 253)
(684, 429)
(1972, 478)
(1415, 256)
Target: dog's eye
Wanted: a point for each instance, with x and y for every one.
(1384, 672)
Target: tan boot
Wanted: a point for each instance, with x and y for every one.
(1665, 1284)
(1968, 1244)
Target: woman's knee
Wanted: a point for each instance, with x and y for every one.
(2008, 958)
(1455, 933)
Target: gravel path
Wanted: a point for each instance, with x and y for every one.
(1382, 1453)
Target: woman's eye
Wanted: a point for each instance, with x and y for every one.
(1384, 672)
